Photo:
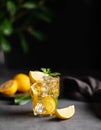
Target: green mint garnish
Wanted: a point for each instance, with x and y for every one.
(48, 71)
(22, 99)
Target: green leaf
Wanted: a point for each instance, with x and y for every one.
(54, 74)
(56, 101)
(48, 71)
(30, 5)
(24, 43)
(11, 7)
(6, 27)
(37, 34)
(22, 99)
(4, 44)
(43, 16)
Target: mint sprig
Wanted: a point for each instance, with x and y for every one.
(48, 71)
(22, 99)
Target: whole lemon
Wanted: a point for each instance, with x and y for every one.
(23, 82)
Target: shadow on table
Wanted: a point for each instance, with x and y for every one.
(96, 109)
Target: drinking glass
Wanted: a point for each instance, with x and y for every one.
(45, 95)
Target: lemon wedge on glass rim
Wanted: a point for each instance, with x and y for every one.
(36, 76)
(65, 113)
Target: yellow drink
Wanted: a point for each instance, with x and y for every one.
(45, 94)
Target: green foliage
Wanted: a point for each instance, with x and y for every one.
(48, 71)
(20, 16)
(22, 99)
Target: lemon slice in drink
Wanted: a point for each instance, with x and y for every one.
(9, 87)
(36, 76)
(50, 105)
(65, 113)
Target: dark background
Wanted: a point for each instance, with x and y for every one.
(77, 34)
(73, 38)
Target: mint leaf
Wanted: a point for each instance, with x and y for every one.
(54, 74)
(22, 99)
(48, 71)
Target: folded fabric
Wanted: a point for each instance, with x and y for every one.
(83, 88)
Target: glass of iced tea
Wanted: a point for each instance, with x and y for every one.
(45, 92)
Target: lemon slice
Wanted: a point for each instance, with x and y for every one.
(49, 104)
(36, 76)
(9, 87)
(65, 113)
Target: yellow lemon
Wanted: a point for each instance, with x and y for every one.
(9, 87)
(36, 76)
(65, 113)
(49, 103)
(23, 82)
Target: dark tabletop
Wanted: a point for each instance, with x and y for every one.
(15, 117)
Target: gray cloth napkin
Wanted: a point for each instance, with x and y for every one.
(86, 89)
